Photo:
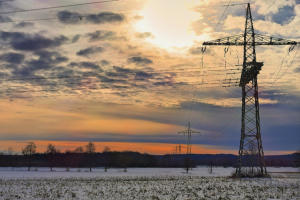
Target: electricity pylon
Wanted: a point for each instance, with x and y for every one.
(178, 149)
(251, 155)
(188, 133)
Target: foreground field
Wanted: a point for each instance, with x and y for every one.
(176, 187)
(152, 184)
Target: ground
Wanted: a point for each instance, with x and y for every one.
(146, 184)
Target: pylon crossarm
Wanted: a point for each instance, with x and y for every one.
(192, 131)
(270, 40)
(260, 39)
(182, 132)
(235, 40)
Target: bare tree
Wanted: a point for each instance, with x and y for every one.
(90, 150)
(105, 152)
(78, 150)
(10, 151)
(28, 151)
(51, 154)
(106, 149)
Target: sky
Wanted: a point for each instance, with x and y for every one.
(130, 74)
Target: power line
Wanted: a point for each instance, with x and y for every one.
(224, 5)
(55, 7)
(223, 14)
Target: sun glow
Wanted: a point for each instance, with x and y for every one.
(169, 22)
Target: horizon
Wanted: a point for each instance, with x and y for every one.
(147, 148)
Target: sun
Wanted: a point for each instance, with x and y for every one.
(170, 22)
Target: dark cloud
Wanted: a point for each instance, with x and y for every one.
(14, 58)
(141, 75)
(62, 72)
(122, 70)
(297, 70)
(105, 17)
(4, 18)
(76, 38)
(117, 74)
(24, 24)
(104, 62)
(163, 83)
(46, 60)
(28, 42)
(86, 65)
(140, 60)
(284, 15)
(106, 79)
(37, 42)
(51, 56)
(101, 35)
(68, 17)
(130, 74)
(88, 51)
(4, 35)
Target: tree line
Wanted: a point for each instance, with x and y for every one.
(87, 157)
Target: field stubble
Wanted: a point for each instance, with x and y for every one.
(152, 188)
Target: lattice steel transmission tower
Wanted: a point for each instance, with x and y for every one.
(251, 155)
(188, 133)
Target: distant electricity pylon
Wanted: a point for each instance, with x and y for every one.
(188, 134)
(251, 155)
(178, 149)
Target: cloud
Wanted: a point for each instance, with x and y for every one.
(144, 35)
(86, 65)
(88, 51)
(104, 62)
(284, 15)
(265, 8)
(101, 35)
(117, 74)
(141, 75)
(31, 42)
(105, 17)
(24, 25)
(125, 72)
(76, 38)
(37, 42)
(4, 18)
(140, 60)
(163, 83)
(297, 70)
(14, 58)
(68, 17)
(198, 50)
(129, 76)
(46, 60)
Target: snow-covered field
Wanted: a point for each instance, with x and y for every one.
(22, 173)
(149, 183)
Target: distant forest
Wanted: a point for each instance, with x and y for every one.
(133, 159)
(87, 157)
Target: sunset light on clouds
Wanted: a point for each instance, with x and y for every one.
(129, 75)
